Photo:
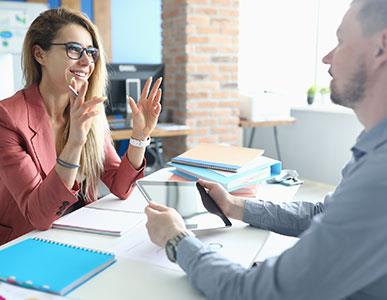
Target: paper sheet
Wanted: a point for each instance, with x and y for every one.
(99, 221)
(139, 247)
(135, 203)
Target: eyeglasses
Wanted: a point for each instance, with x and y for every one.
(75, 50)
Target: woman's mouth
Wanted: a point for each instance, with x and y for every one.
(79, 74)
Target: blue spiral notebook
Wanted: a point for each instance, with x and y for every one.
(50, 266)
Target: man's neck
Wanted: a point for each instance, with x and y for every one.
(372, 110)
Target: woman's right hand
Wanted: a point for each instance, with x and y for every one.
(82, 112)
(231, 206)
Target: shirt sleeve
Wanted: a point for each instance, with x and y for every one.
(119, 174)
(342, 252)
(290, 219)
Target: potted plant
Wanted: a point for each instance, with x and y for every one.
(324, 92)
(311, 94)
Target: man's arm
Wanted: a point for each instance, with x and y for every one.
(290, 219)
(342, 252)
(286, 218)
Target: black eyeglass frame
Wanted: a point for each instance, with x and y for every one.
(92, 52)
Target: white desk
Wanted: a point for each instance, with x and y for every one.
(136, 279)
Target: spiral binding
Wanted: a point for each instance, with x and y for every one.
(72, 246)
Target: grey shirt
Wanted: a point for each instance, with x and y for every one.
(342, 251)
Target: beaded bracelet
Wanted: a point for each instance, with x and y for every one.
(66, 164)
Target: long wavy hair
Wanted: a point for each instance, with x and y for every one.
(42, 32)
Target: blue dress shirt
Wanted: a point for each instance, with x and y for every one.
(342, 251)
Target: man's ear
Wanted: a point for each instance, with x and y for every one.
(380, 49)
(39, 54)
(382, 44)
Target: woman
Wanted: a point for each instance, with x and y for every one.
(54, 138)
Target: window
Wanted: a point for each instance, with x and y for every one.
(282, 44)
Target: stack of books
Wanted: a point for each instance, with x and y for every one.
(233, 167)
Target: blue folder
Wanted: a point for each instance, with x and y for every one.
(50, 266)
(255, 174)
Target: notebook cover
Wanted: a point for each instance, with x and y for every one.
(99, 221)
(229, 189)
(219, 157)
(50, 266)
(255, 174)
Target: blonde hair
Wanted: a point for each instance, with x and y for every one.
(42, 32)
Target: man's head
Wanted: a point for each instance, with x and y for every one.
(358, 61)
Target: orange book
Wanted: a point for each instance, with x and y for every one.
(219, 157)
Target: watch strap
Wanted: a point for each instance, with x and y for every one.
(138, 143)
(171, 246)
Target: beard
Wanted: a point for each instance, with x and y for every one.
(353, 92)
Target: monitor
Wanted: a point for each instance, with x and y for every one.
(128, 80)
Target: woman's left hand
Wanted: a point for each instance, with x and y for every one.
(146, 112)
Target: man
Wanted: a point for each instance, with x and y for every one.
(342, 251)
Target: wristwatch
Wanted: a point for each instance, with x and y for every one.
(138, 143)
(171, 246)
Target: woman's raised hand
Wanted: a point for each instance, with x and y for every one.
(81, 112)
(146, 112)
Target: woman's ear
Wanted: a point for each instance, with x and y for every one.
(39, 54)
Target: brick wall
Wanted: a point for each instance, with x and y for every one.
(200, 52)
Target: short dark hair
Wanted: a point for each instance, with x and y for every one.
(372, 15)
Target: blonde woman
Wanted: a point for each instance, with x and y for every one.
(54, 138)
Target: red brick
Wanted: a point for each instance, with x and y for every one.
(200, 49)
(208, 139)
(194, 95)
(201, 20)
(206, 68)
(197, 40)
(197, 114)
(208, 30)
(209, 11)
(189, 2)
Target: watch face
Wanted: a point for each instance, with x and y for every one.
(170, 251)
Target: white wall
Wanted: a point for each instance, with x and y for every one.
(6, 76)
(317, 145)
(15, 18)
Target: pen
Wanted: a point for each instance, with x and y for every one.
(73, 90)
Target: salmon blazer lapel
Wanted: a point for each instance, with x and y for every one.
(38, 122)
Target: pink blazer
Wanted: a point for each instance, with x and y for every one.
(32, 195)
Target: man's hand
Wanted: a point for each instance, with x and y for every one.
(163, 223)
(231, 206)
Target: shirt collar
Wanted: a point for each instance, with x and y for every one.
(370, 140)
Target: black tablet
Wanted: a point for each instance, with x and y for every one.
(191, 201)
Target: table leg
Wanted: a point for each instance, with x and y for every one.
(251, 137)
(277, 147)
(159, 154)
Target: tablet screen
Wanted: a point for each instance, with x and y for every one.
(181, 196)
(185, 198)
